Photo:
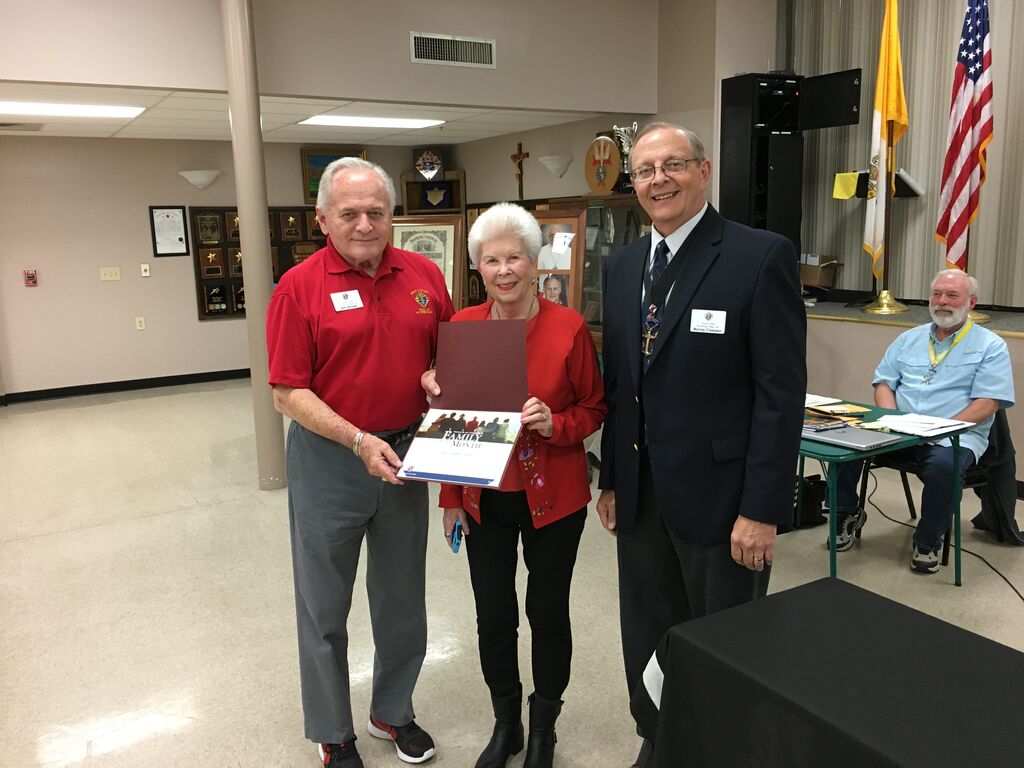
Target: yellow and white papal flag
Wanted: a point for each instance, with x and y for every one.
(890, 104)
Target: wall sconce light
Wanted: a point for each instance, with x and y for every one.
(557, 164)
(199, 179)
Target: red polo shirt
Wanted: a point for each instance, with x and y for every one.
(360, 343)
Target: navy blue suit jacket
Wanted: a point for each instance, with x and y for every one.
(723, 412)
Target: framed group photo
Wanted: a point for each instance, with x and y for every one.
(560, 262)
(315, 159)
(442, 239)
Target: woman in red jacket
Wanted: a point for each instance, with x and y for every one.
(543, 495)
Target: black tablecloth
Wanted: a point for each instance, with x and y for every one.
(829, 674)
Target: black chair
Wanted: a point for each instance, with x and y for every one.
(984, 477)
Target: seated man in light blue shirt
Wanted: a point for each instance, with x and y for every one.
(950, 368)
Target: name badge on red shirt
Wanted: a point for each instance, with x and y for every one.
(344, 300)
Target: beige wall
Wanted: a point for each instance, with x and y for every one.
(71, 206)
(745, 42)
(842, 356)
(551, 54)
(152, 43)
(686, 55)
(491, 172)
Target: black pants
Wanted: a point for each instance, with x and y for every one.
(665, 580)
(550, 554)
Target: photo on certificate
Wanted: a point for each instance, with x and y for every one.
(463, 447)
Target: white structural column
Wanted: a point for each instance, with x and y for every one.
(251, 195)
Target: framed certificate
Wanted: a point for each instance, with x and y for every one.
(442, 239)
(169, 230)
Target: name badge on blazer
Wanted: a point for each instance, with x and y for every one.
(707, 321)
(346, 300)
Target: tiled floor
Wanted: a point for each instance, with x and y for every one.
(146, 613)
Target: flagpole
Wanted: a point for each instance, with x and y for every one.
(975, 315)
(885, 303)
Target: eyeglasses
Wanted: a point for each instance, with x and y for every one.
(646, 173)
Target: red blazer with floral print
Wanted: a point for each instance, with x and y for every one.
(562, 370)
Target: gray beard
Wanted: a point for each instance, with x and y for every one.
(952, 320)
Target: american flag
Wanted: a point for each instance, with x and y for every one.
(970, 131)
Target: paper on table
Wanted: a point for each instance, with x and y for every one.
(920, 425)
(840, 409)
(813, 400)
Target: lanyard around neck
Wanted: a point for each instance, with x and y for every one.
(935, 359)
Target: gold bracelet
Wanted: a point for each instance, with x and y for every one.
(356, 442)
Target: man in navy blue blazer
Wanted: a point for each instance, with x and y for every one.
(705, 376)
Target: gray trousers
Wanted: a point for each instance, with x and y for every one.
(332, 504)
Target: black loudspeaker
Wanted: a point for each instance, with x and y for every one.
(763, 116)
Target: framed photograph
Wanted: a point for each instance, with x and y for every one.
(211, 229)
(475, 293)
(442, 239)
(315, 159)
(563, 246)
(169, 230)
(554, 286)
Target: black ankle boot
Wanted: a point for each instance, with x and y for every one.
(540, 751)
(507, 738)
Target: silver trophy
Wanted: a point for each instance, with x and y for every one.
(625, 137)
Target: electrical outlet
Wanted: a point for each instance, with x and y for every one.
(144, 268)
(140, 323)
(110, 273)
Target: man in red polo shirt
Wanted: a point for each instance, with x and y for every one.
(349, 332)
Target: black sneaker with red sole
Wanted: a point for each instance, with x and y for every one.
(412, 743)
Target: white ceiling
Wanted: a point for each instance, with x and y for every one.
(204, 115)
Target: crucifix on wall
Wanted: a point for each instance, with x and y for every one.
(517, 160)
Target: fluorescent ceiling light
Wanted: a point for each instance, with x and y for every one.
(370, 122)
(39, 109)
